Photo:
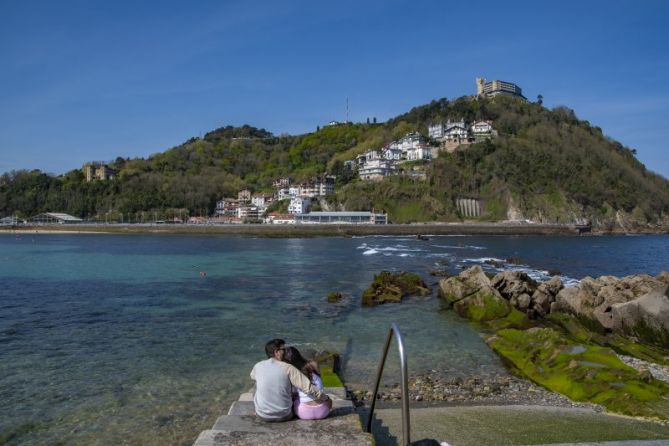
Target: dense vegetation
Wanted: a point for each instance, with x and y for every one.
(545, 165)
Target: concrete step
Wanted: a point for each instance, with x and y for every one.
(242, 408)
(240, 427)
(221, 438)
(342, 427)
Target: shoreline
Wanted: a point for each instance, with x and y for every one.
(324, 230)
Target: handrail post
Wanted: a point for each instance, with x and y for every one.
(406, 425)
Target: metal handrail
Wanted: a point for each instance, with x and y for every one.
(406, 434)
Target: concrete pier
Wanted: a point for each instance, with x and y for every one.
(240, 427)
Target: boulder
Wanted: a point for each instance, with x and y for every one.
(473, 297)
(633, 306)
(512, 284)
(475, 276)
(663, 276)
(483, 306)
(541, 303)
(465, 284)
(551, 287)
(646, 318)
(522, 301)
(578, 300)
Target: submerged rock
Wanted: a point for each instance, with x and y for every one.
(392, 287)
(334, 297)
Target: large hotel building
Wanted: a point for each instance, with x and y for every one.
(493, 88)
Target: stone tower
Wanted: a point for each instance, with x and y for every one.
(480, 85)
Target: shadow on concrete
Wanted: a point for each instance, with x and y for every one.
(381, 433)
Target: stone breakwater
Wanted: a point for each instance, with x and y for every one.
(310, 230)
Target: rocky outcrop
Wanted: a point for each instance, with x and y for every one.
(516, 288)
(636, 306)
(474, 297)
(559, 351)
(633, 306)
(392, 287)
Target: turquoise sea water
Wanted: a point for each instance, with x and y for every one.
(110, 339)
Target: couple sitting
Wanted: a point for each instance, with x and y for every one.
(276, 377)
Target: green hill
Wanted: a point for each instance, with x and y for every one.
(546, 165)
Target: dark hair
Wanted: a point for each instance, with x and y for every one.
(293, 357)
(272, 346)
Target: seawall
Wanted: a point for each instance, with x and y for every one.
(309, 230)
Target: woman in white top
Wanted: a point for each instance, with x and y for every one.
(304, 406)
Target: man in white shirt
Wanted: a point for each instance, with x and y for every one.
(275, 379)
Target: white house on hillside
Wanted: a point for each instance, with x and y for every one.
(376, 169)
(482, 130)
(436, 131)
(261, 200)
(422, 152)
(455, 131)
(299, 205)
(283, 194)
(410, 141)
(392, 153)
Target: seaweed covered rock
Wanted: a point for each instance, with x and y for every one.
(334, 297)
(392, 287)
(578, 330)
(583, 372)
(329, 365)
(473, 297)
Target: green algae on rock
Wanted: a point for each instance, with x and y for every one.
(580, 330)
(329, 365)
(473, 297)
(334, 297)
(392, 287)
(581, 371)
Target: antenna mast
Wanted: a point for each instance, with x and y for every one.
(346, 110)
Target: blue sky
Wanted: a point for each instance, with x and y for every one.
(93, 80)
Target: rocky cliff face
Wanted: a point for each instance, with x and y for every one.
(612, 220)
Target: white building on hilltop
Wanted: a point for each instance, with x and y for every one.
(497, 87)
